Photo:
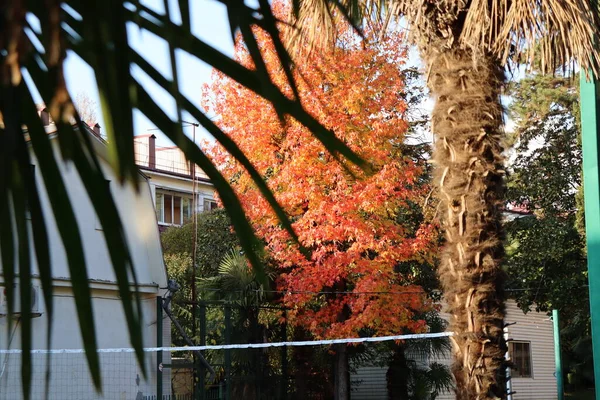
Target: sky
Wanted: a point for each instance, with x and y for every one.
(209, 23)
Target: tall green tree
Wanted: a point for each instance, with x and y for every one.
(546, 261)
(236, 285)
(546, 250)
(465, 46)
(215, 239)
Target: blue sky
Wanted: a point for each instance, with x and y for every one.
(209, 23)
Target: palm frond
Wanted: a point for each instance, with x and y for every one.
(97, 32)
(236, 283)
(314, 24)
(561, 31)
(440, 379)
(555, 32)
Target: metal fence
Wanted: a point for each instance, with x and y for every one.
(292, 368)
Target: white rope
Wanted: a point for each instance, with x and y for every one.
(244, 345)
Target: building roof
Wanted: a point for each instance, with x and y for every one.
(169, 160)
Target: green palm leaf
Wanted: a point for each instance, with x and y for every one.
(97, 32)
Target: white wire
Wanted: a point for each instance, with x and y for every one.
(244, 345)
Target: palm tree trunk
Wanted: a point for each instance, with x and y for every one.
(467, 122)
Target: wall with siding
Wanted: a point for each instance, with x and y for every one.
(536, 328)
(369, 383)
(122, 376)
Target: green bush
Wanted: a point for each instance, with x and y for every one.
(215, 239)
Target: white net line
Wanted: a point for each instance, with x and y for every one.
(172, 368)
(244, 345)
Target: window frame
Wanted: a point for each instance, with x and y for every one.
(209, 200)
(516, 372)
(182, 218)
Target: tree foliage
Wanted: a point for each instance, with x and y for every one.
(546, 260)
(97, 32)
(413, 372)
(215, 239)
(547, 167)
(350, 225)
(546, 250)
(35, 38)
(466, 46)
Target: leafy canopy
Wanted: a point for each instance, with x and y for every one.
(546, 251)
(546, 261)
(349, 225)
(35, 38)
(215, 240)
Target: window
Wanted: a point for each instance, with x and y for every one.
(160, 212)
(520, 354)
(186, 208)
(172, 209)
(209, 204)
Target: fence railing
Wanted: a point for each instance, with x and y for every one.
(257, 357)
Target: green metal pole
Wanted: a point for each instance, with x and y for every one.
(591, 186)
(560, 387)
(159, 343)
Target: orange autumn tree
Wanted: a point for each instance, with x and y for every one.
(348, 219)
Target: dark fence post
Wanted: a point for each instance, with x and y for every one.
(284, 361)
(227, 352)
(159, 343)
(202, 371)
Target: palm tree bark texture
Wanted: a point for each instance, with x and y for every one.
(467, 123)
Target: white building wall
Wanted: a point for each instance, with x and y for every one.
(369, 382)
(535, 328)
(122, 377)
(169, 159)
(136, 209)
(164, 181)
(70, 379)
